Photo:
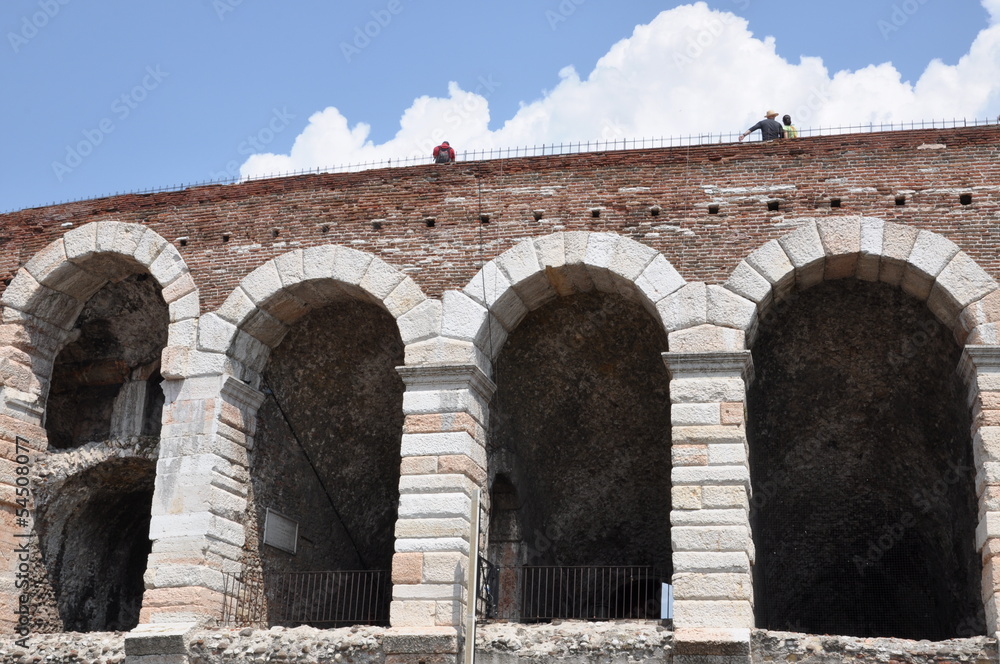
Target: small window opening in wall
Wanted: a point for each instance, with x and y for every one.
(965, 199)
(183, 241)
(484, 218)
(225, 237)
(430, 221)
(773, 206)
(713, 208)
(900, 200)
(275, 232)
(538, 214)
(377, 225)
(595, 213)
(325, 229)
(835, 202)
(654, 211)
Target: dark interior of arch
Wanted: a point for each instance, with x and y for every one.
(328, 440)
(580, 437)
(94, 539)
(864, 511)
(106, 381)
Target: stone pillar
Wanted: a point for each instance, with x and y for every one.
(981, 367)
(200, 498)
(443, 466)
(709, 521)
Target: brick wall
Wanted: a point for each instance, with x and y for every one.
(928, 169)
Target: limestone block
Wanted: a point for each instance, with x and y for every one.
(179, 288)
(804, 249)
(727, 309)
(574, 276)
(168, 266)
(249, 350)
(695, 414)
(727, 455)
(841, 240)
(928, 257)
(183, 333)
(710, 476)
(439, 350)
(706, 339)
(81, 243)
(262, 284)
(773, 264)
(418, 402)
(689, 455)
(46, 261)
(601, 249)
(959, 284)
(186, 525)
(709, 517)
(708, 561)
(871, 249)
(426, 591)
(380, 279)
(988, 528)
(159, 639)
(286, 307)
(182, 576)
(185, 307)
(215, 334)
(445, 483)
(150, 246)
(73, 281)
(715, 643)
(988, 334)
(462, 318)
(492, 288)
(706, 390)
(198, 363)
(437, 528)
(897, 243)
(28, 296)
(687, 307)
(421, 322)
(630, 259)
(708, 435)
(437, 444)
(430, 545)
(750, 284)
(710, 538)
(685, 498)
(985, 310)
(986, 444)
(410, 613)
(203, 498)
(527, 277)
(551, 252)
(290, 268)
(658, 280)
(353, 267)
(702, 586)
(713, 613)
(445, 568)
(265, 327)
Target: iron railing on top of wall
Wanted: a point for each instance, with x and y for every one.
(319, 599)
(544, 593)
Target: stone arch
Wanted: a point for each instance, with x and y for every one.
(257, 314)
(922, 263)
(538, 270)
(44, 300)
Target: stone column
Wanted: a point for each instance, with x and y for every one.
(710, 528)
(200, 498)
(443, 465)
(981, 367)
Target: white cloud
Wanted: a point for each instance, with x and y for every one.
(690, 70)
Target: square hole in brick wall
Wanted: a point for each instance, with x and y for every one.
(965, 199)
(773, 206)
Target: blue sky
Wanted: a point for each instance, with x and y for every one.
(121, 95)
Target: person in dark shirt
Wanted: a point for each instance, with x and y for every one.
(770, 128)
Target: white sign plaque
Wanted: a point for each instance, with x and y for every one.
(280, 531)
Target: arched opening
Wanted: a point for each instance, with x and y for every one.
(580, 448)
(94, 539)
(864, 510)
(106, 380)
(325, 468)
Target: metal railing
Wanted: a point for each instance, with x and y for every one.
(544, 593)
(555, 149)
(318, 599)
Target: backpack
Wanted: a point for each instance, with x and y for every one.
(444, 155)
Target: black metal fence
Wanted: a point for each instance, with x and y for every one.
(318, 599)
(545, 593)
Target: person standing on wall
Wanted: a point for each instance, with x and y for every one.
(770, 128)
(444, 154)
(790, 130)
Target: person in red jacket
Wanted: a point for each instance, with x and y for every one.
(444, 154)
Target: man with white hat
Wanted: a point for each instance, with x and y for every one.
(770, 128)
